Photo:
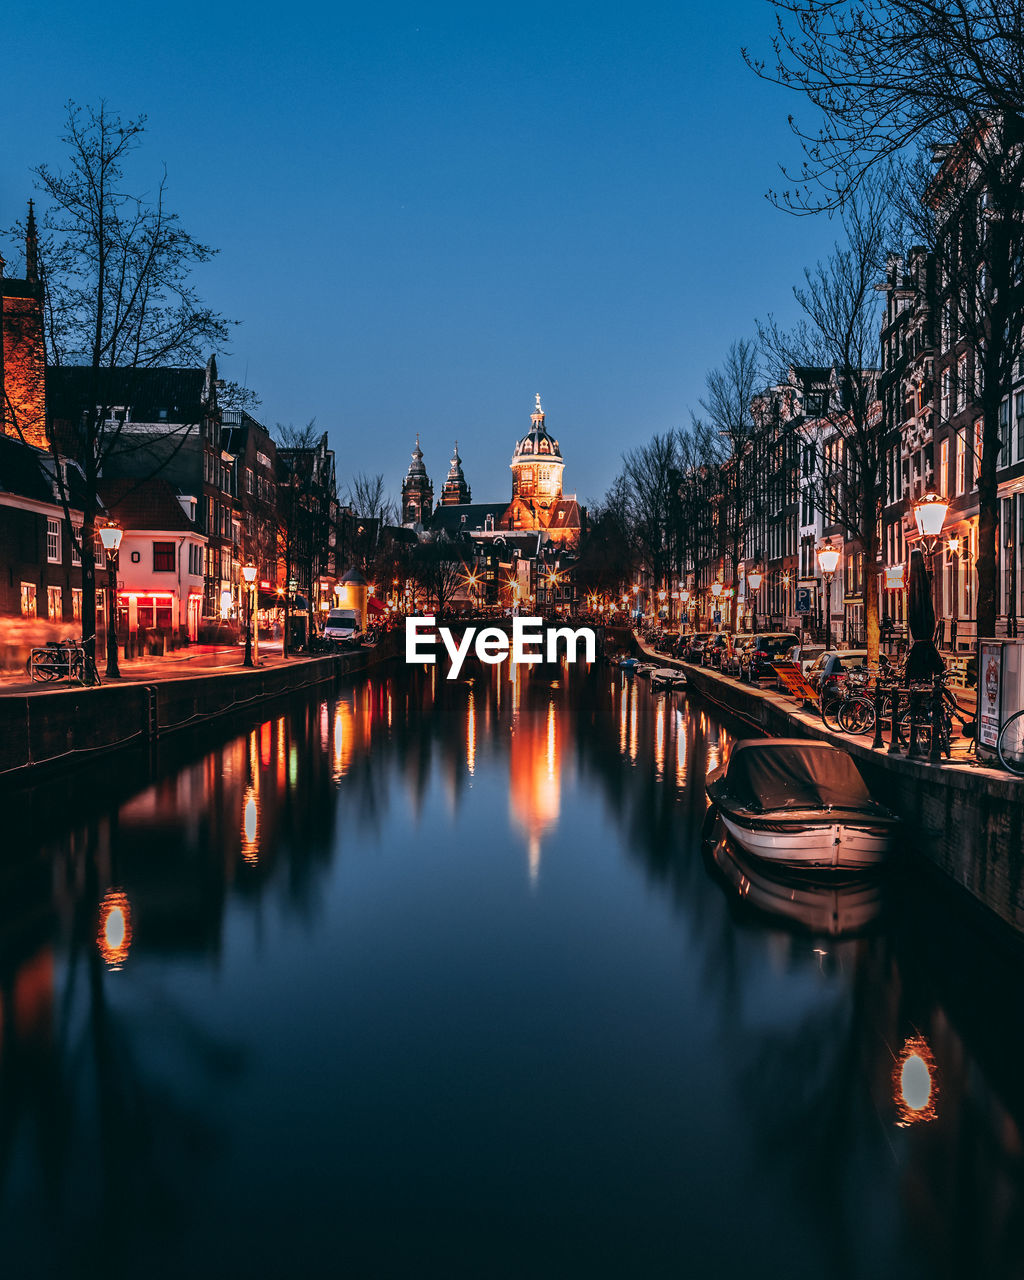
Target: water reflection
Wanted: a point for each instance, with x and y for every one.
(433, 977)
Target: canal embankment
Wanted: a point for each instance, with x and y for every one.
(961, 817)
(66, 727)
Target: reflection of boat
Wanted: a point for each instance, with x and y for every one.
(668, 678)
(800, 803)
(833, 906)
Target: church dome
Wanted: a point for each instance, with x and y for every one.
(537, 443)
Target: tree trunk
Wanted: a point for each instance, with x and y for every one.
(988, 521)
(871, 576)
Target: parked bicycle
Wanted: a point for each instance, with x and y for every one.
(1010, 744)
(63, 659)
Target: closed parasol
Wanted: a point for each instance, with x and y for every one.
(924, 660)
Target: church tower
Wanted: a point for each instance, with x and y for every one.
(417, 491)
(456, 491)
(22, 348)
(537, 464)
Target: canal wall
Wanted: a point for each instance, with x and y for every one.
(66, 727)
(963, 819)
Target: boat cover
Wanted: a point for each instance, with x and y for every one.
(790, 773)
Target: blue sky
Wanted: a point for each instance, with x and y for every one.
(426, 214)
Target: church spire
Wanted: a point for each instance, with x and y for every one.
(456, 491)
(31, 247)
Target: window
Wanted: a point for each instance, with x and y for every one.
(248, 480)
(1020, 426)
(961, 382)
(54, 604)
(28, 599)
(961, 472)
(1004, 433)
(944, 469)
(977, 449)
(944, 403)
(53, 540)
(947, 315)
(76, 544)
(76, 603)
(163, 557)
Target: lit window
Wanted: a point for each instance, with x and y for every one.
(163, 557)
(28, 599)
(961, 472)
(944, 468)
(76, 603)
(54, 604)
(53, 541)
(76, 544)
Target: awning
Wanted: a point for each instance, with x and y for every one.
(374, 605)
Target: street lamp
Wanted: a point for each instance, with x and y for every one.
(754, 579)
(930, 515)
(828, 559)
(249, 574)
(110, 536)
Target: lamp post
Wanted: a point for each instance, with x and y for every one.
(828, 559)
(930, 516)
(249, 574)
(110, 536)
(754, 579)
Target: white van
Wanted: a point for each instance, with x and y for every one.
(341, 624)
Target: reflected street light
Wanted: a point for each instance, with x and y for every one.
(110, 535)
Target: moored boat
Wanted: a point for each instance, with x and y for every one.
(668, 678)
(800, 803)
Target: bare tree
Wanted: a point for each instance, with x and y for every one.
(886, 77)
(439, 569)
(725, 438)
(116, 269)
(839, 333)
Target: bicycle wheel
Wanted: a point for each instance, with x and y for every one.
(1010, 744)
(830, 706)
(857, 716)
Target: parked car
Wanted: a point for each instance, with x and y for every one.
(806, 655)
(695, 645)
(831, 663)
(757, 660)
(341, 624)
(716, 647)
(733, 664)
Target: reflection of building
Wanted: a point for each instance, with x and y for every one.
(534, 776)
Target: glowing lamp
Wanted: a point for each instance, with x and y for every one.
(661, 595)
(716, 589)
(684, 596)
(953, 545)
(110, 536)
(249, 573)
(754, 579)
(828, 559)
(930, 514)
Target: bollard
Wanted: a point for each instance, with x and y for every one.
(876, 742)
(935, 754)
(914, 750)
(894, 721)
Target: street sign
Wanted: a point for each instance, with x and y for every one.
(717, 617)
(804, 600)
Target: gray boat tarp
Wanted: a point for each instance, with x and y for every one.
(792, 773)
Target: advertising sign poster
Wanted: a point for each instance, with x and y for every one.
(990, 679)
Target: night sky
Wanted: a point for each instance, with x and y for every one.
(428, 213)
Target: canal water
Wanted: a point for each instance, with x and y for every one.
(430, 978)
